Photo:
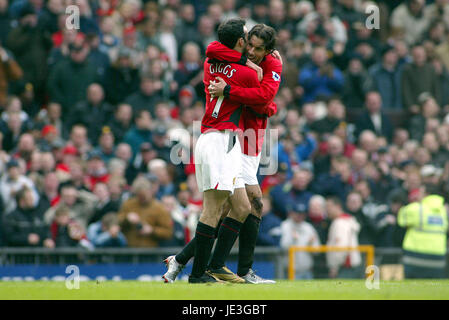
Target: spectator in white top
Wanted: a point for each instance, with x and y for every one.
(11, 183)
(295, 231)
(343, 232)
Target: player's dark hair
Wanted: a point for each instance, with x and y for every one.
(230, 31)
(266, 33)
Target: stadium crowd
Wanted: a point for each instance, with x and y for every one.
(90, 116)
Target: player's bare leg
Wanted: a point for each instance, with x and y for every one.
(248, 237)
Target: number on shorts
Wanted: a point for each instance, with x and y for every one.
(217, 107)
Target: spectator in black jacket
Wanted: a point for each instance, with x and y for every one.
(121, 122)
(121, 78)
(25, 226)
(270, 226)
(93, 112)
(373, 118)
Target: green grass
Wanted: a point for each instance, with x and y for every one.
(283, 290)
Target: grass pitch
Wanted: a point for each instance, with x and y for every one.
(181, 290)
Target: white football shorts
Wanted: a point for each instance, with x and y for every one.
(248, 175)
(217, 160)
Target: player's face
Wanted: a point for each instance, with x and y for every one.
(255, 49)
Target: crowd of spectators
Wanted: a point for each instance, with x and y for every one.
(90, 117)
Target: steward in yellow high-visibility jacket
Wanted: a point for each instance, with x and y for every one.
(425, 242)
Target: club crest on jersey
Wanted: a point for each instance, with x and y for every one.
(276, 77)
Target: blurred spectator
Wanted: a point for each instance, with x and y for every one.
(408, 20)
(320, 78)
(65, 231)
(12, 181)
(93, 112)
(25, 225)
(270, 226)
(190, 69)
(121, 121)
(418, 77)
(106, 233)
(295, 231)
(140, 132)
(9, 71)
(105, 204)
(334, 116)
(121, 78)
(357, 83)
(343, 232)
(80, 203)
(386, 76)
(147, 96)
(144, 220)
(296, 190)
(374, 118)
(69, 79)
(30, 46)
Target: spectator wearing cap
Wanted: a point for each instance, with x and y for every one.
(96, 169)
(343, 232)
(121, 121)
(418, 77)
(69, 80)
(373, 118)
(25, 225)
(11, 182)
(161, 143)
(296, 231)
(93, 112)
(140, 132)
(30, 47)
(106, 144)
(143, 219)
(186, 99)
(357, 82)
(148, 95)
(121, 78)
(270, 226)
(386, 76)
(49, 134)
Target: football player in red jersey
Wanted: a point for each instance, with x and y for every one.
(217, 154)
(256, 121)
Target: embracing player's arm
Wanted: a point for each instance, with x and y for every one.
(250, 96)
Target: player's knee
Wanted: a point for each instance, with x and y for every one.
(257, 206)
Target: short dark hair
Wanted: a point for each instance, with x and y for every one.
(335, 200)
(266, 33)
(230, 31)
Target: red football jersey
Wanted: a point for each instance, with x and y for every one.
(260, 96)
(221, 113)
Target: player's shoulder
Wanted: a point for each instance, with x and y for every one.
(272, 63)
